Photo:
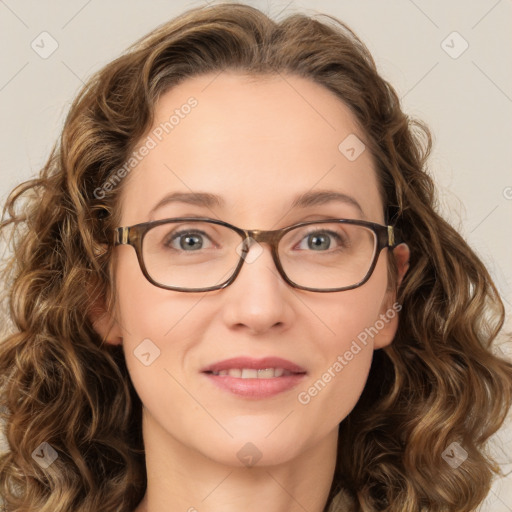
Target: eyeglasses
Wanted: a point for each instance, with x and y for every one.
(196, 254)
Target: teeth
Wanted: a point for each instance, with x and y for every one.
(250, 373)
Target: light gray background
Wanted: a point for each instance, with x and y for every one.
(466, 101)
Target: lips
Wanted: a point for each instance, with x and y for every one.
(254, 379)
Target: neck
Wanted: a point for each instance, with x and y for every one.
(183, 479)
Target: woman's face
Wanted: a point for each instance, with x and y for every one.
(257, 144)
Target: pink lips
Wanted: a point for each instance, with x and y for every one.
(255, 388)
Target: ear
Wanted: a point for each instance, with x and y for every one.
(388, 317)
(104, 323)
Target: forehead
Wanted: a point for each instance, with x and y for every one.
(259, 142)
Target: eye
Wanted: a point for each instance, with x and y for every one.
(187, 240)
(322, 240)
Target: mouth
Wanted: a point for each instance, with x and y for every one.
(250, 373)
(255, 378)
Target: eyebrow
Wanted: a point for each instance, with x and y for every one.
(302, 201)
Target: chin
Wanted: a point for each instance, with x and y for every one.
(255, 450)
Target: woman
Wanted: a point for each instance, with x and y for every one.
(293, 320)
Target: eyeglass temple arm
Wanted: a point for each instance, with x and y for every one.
(121, 236)
(394, 236)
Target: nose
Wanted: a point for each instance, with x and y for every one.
(257, 299)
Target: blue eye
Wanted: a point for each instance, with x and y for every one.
(193, 240)
(322, 240)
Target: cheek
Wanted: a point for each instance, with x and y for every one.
(145, 310)
(353, 313)
(149, 318)
(160, 328)
(335, 386)
(347, 351)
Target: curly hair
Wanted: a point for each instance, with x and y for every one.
(439, 382)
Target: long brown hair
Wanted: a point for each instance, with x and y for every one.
(438, 383)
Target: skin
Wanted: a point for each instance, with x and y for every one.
(258, 144)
